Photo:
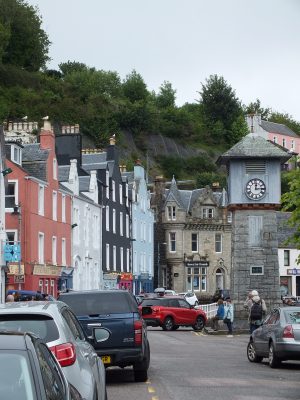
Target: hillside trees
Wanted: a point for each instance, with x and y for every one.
(222, 111)
(23, 42)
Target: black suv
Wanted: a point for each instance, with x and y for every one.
(125, 342)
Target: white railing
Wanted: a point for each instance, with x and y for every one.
(209, 309)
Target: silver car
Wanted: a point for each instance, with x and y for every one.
(278, 338)
(55, 324)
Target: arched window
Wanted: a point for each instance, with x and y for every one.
(220, 278)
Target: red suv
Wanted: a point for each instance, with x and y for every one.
(172, 312)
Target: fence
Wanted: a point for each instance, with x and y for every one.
(209, 309)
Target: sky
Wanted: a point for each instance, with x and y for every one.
(253, 44)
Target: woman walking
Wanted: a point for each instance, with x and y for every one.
(219, 316)
(228, 316)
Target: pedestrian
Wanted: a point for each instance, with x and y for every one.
(219, 316)
(10, 298)
(228, 315)
(256, 308)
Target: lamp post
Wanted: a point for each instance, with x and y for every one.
(159, 280)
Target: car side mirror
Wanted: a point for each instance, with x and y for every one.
(101, 334)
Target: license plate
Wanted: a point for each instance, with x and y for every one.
(106, 359)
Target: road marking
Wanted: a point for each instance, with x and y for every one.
(151, 389)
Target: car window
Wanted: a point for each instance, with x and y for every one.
(53, 381)
(15, 378)
(72, 324)
(184, 304)
(273, 318)
(173, 303)
(100, 303)
(292, 317)
(41, 325)
(155, 302)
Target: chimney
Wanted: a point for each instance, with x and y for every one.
(47, 137)
(253, 122)
(112, 150)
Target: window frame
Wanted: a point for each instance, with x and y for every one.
(218, 243)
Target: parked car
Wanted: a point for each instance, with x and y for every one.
(220, 294)
(290, 300)
(278, 338)
(172, 312)
(190, 297)
(56, 325)
(30, 371)
(126, 342)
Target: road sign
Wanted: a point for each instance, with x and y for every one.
(19, 278)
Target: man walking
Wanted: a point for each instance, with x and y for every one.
(256, 308)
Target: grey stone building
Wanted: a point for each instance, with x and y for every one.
(192, 238)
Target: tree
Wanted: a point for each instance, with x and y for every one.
(285, 119)
(221, 109)
(291, 202)
(134, 87)
(25, 43)
(70, 67)
(256, 108)
(166, 96)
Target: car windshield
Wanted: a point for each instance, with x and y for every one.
(100, 303)
(42, 325)
(292, 317)
(15, 378)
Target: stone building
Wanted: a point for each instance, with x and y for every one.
(192, 238)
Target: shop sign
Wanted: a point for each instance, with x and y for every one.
(19, 278)
(51, 270)
(293, 271)
(144, 275)
(197, 264)
(126, 277)
(15, 269)
(110, 277)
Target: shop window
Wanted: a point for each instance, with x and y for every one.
(286, 257)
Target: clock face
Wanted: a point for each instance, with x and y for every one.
(255, 189)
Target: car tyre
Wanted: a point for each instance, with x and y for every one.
(168, 324)
(199, 324)
(251, 353)
(274, 361)
(175, 327)
(140, 370)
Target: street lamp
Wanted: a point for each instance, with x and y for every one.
(159, 280)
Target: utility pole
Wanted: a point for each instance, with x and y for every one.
(2, 219)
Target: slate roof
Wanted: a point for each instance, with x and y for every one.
(285, 231)
(281, 129)
(63, 173)
(174, 193)
(32, 152)
(252, 146)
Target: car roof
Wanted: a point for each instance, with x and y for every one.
(76, 292)
(32, 307)
(13, 340)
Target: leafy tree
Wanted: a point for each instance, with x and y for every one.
(291, 202)
(256, 108)
(24, 43)
(285, 119)
(208, 178)
(134, 87)
(166, 96)
(70, 67)
(221, 108)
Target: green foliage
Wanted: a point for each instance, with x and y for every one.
(291, 202)
(23, 42)
(285, 119)
(134, 87)
(256, 108)
(166, 96)
(208, 178)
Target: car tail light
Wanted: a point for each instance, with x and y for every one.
(64, 353)
(288, 332)
(138, 332)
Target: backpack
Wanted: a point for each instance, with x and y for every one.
(256, 311)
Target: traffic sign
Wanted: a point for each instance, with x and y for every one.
(19, 278)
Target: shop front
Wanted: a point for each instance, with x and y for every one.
(44, 278)
(143, 283)
(110, 280)
(125, 281)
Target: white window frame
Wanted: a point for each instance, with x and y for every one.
(113, 190)
(17, 158)
(208, 212)
(171, 211)
(172, 241)
(63, 207)
(16, 191)
(41, 248)
(252, 272)
(114, 220)
(107, 218)
(107, 183)
(127, 225)
(63, 251)
(54, 250)
(121, 193)
(114, 258)
(107, 256)
(41, 200)
(54, 205)
(284, 142)
(127, 260)
(292, 144)
(55, 169)
(122, 259)
(121, 224)
(274, 139)
(127, 199)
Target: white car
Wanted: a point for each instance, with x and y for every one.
(190, 297)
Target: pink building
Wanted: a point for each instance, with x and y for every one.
(41, 222)
(277, 133)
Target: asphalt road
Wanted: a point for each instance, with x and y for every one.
(186, 365)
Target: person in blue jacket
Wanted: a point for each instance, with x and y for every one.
(228, 315)
(219, 316)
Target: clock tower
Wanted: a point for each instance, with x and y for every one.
(254, 191)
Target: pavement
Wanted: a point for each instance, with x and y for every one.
(239, 327)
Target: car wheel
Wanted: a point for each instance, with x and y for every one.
(251, 353)
(140, 370)
(199, 325)
(168, 324)
(175, 327)
(274, 361)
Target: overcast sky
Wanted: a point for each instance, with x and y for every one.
(253, 44)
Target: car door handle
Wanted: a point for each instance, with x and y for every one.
(95, 325)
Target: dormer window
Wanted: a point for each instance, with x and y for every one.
(207, 213)
(16, 154)
(171, 213)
